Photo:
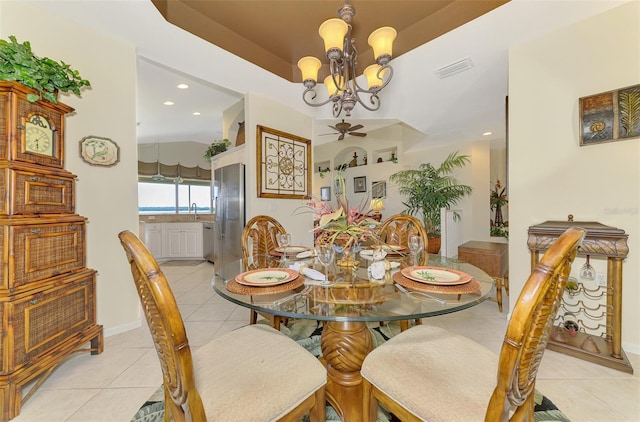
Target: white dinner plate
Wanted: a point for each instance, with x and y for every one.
(266, 277)
(436, 275)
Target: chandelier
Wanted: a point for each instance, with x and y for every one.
(342, 86)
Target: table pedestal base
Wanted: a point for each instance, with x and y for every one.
(344, 346)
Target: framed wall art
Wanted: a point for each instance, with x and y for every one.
(283, 164)
(610, 116)
(360, 184)
(325, 193)
(99, 151)
(379, 189)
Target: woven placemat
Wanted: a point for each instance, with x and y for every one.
(460, 289)
(234, 287)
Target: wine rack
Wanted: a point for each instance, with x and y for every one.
(589, 323)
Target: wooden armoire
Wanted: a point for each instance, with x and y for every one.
(47, 295)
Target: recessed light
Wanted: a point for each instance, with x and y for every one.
(196, 113)
(183, 86)
(487, 133)
(168, 103)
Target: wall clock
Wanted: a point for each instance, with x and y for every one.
(99, 151)
(39, 136)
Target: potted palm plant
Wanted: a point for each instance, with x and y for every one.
(45, 76)
(429, 188)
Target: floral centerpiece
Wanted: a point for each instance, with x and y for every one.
(340, 224)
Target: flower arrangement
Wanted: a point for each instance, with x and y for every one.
(341, 224)
(497, 200)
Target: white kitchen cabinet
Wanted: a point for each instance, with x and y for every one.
(152, 238)
(182, 240)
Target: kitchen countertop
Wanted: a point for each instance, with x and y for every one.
(175, 218)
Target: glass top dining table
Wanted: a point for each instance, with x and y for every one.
(348, 302)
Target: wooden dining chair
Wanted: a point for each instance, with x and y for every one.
(396, 230)
(428, 373)
(259, 238)
(254, 373)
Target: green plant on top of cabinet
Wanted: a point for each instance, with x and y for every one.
(46, 76)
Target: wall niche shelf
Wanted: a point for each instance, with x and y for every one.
(322, 166)
(385, 155)
(351, 157)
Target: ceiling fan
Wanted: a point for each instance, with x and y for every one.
(343, 128)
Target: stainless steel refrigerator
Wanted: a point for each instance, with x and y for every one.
(228, 200)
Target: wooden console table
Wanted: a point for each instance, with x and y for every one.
(600, 241)
(492, 258)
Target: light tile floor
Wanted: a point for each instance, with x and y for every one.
(113, 385)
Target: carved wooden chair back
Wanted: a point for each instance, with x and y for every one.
(529, 329)
(397, 229)
(182, 400)
(258, 239)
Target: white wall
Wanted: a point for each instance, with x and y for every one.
(262, 111)
(107, 196)
(550, 175)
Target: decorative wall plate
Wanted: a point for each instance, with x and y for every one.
(99, 151)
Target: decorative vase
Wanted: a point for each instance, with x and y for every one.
(498, 221)
(240, 136)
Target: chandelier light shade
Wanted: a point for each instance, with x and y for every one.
(373, 79)
(381, 40)
(332, 31)
(309, 67)
(342, 85)
(332, 89)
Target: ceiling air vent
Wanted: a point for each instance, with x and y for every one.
(454, 68)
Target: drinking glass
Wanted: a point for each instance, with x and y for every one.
(283, 239)
(324, 254)
(416, 245)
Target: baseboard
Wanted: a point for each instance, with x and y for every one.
(123, 328)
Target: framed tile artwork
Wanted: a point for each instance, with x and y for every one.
(282, 164)
(610, 116)
(379, 189)
(360, 184)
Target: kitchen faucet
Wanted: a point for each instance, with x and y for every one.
(194, 207)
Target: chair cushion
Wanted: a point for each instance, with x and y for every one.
(435, 374)
(255, 373)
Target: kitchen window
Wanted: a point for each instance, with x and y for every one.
(159, 197)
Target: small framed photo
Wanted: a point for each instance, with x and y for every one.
(325, 193)
(360, 184)
(379, 189)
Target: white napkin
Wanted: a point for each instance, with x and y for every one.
(305, 254)
(308, 272)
